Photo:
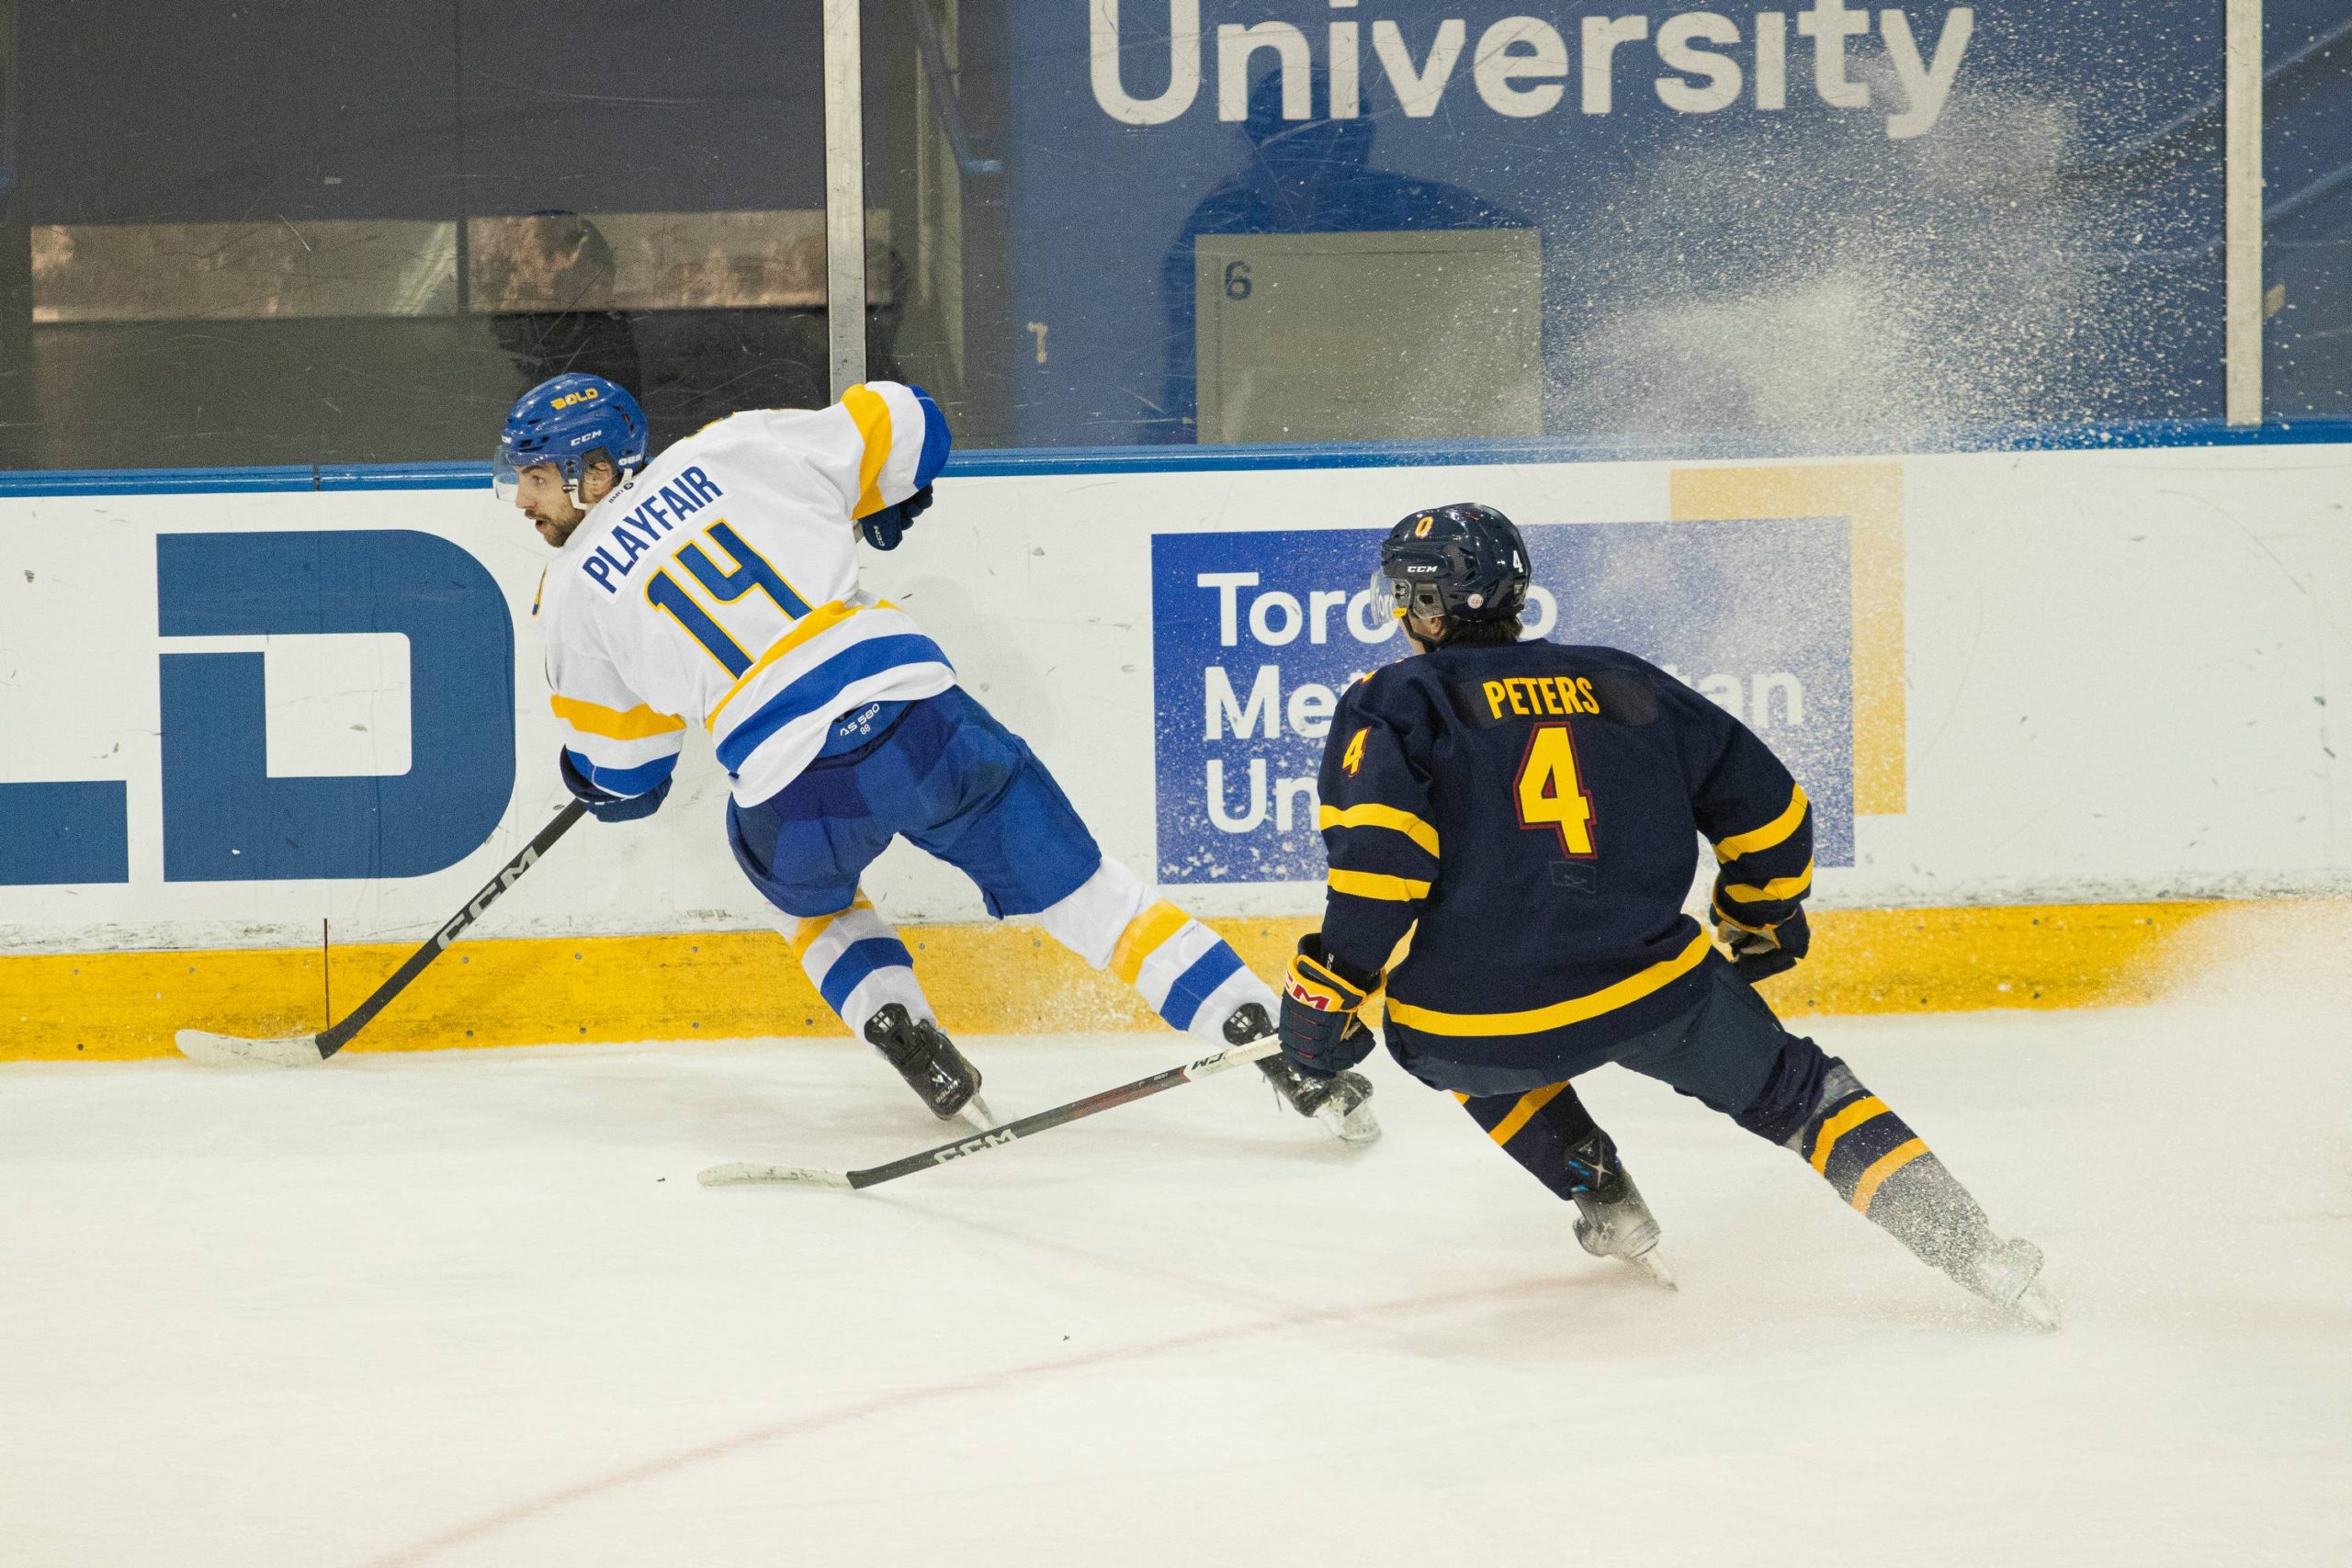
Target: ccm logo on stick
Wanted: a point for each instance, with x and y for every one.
(973, 1146)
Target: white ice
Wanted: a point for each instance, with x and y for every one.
(470, 1308)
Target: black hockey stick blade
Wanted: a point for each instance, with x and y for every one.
(741, 1173)
(302, 1050)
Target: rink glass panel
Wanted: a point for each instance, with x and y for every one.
(2307, 227)
(352, 237)
(1983, 230)
(356, 235)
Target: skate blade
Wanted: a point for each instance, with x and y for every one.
(234, 1051)
(748, 1173)
(1653, 1266)
(976, 1111)
(2035, 1310)
(1358, 1126)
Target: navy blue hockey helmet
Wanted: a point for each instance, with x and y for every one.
(563, 420)
(1464, 563)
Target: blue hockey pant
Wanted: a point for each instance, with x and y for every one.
(955, 782)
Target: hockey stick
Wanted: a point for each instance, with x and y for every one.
(746, 1172)
(302, 1050)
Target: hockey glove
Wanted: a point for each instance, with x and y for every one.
(885, 528)
(603, 804)
(1322, 1035)
(1758, 953)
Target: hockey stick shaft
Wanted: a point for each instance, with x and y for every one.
(335, 1036)
(1060, 1115)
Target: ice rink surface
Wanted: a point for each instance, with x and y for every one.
(470, 1308)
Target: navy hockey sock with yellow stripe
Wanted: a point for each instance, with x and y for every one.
(1884, 1170)
(1539, 1129)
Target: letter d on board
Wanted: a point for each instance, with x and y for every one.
(225, 819)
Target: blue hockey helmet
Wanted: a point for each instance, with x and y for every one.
(1466, 563)
(565, 421)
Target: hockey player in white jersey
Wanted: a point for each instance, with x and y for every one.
(718, 585)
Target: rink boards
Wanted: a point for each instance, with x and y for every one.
(291, 728)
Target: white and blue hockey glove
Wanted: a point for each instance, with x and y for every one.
(603, 804)
(885, 528)
(1322, 1029)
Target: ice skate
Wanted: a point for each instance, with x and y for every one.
(1342, 1103)
(1612, 1219)
(2009, 1274)
(929, 1063)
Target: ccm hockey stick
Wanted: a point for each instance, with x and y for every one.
(744, 1172)
(302, 1050)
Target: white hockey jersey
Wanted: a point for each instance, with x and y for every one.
(719, 586)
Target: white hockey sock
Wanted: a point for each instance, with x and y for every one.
(1191, 975)
(858, 963)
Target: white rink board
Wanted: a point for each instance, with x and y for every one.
(2126, 677)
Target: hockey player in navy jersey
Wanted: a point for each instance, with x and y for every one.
(718, 585)
(1530, 813)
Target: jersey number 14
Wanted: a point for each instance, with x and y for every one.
(1550, 795)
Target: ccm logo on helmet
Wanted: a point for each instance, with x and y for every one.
(585, 395)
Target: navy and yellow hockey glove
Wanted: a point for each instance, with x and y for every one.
(1322, 1034)
(885, 528)
(603, 804)
(1758, 953)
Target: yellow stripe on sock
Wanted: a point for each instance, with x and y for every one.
(805, 934)
(1875, 1177)
(1143, 937)
(1863, 1110)
(1533, 1101)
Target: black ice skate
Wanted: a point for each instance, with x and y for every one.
(929, 1063)
(1342, 1103)
(1612, 1219)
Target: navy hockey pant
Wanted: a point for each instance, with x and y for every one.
(1731, 1053)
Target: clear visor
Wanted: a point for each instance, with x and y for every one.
(506, 475)
(505, 479)
(1402, 595)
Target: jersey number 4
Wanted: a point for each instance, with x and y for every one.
(1550, 795)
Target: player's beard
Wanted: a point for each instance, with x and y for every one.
(556, 533)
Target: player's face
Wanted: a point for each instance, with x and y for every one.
(539, 493)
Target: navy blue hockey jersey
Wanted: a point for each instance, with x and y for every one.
(1531, 814)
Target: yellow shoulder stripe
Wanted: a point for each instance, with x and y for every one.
(824, 617)
(1559, 1015)
(1778, 887)
(871, 414)
(596, 718)
(1377, 884)
(1773, 832)
(1373, 815)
